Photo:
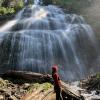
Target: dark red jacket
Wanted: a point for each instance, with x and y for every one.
(56, 79)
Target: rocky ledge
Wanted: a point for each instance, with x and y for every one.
(17, 89)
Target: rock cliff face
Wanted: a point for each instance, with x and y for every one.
(92, 15)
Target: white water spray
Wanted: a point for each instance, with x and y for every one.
(37, 2)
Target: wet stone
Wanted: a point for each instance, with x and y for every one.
(26, 85)
(12, 98)
(1, 97)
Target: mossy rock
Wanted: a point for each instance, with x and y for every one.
(47, 86)
(36, 86)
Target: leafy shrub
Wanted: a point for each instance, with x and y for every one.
(5, 11)
(19, 5)
(10, 6)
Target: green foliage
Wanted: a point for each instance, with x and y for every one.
(10, 6)
(5, 11)
(19, 5)
(1, 2)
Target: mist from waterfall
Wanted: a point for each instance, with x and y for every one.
(45, 35)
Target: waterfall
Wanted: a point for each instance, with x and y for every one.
(37, 2)
(45, 35)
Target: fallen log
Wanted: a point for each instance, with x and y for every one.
(31, 76)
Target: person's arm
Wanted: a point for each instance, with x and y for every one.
(59, 82)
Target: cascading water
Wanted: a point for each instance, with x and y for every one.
(37, 2)
(45, 35)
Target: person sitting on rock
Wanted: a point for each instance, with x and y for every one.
(57, 82)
